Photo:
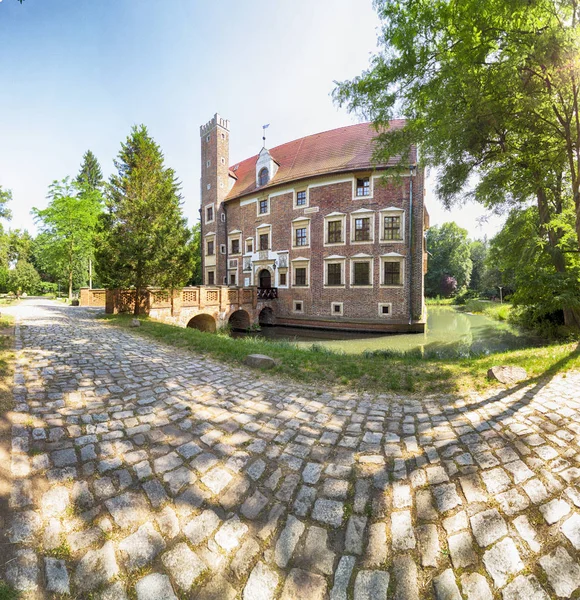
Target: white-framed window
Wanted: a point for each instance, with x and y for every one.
(301, 233)
(301, 199)
(210, 247)
(392, 270)
(263, 176)
(392, 225)
(335, 229)
(298, 306)
(362, 186)
(361, 271)
(336, 309)
(263, 238)
(283, 278)
(233, 278)
(210, 277)
(362, 226)
(209, 213)
(249, 245)
(385, 309)
(223, 249)
(235, 242)
(334, 275)
(263, 207)
(301, 272)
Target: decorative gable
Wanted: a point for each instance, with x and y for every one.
(266, 168)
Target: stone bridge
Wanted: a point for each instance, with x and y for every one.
(200, 307)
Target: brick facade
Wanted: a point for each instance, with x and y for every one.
(329, 197)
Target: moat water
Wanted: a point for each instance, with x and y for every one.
(449, 332)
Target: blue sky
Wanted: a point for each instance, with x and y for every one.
(77, 74)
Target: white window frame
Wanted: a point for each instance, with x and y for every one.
(335, 216)
(391, 212)
(246, 245)
(212, 206)
(235, 235)
(223, 249)
(259, 215)
(210, 238)
(362, 258)
(340, 313)
(265, 228)
(233, 272)
(362, 213)
(368, 176)
(299, 263)
(300, 223)
(341, 260)
(295, 310)
(381, 313)
(209, 270)
(392, 257)
(283, 271)
(296, 206)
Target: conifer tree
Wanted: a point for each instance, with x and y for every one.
(90, 174)
(143, 237)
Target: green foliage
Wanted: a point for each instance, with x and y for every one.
(23, 279)
(5, 197)
(90, 175)
(143, 239)
(449, 254)
(7, 592)
(67, 229)
(196, 278)
(478, 254)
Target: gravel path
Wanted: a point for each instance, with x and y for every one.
(141, 471)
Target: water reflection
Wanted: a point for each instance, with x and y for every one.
(449, 332)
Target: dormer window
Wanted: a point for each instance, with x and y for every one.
(263, 177)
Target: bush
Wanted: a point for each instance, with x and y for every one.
(466, 295)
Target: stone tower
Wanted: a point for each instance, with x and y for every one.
(215, 144)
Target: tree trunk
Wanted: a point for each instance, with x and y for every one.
(137, 307)
(70, 284)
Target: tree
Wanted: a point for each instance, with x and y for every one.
(19, 245)
(143, 239)
(90, 175)
(478, 255)
(489, 89)
(196, 277)
(5, 197)
(23, 279)
(449, 256)
(68, 227)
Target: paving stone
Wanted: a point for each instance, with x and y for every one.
(303, 584)
(527, 532)
(56, 576)
(128, 509)
(141, 547)
(562, 571)
(230, 534)
(475, 587)
(371, 585)
(167, 463)
(311, 473)
(402, 531)
(536, 491)
(461, 549)
(115, 591)
(154, 587)
(261, 584)
(446, 497)
(554, 510)
(244, 558)
(22, 571)
(355, 534)
(218, 588)
(168, 523)
(488, 527)
(445, 586)
(455, 523)
(24, 526)
(571, 529)
(524, 587)
(502, 561)
(512, 502)
(328, 511)
(342, 577)
(424, 506)
(315, 553)
(254, 505)
(304, 500)
(287, 541)
(377, 547)
(201, 527)
(96, 568)
(184, 566)
(155, 492)
(429, 547)
(405, 572)
(217, 479)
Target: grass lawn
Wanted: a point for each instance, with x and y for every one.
(385, 371)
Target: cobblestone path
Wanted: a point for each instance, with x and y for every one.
(145, 472)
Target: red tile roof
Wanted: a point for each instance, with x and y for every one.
(344, 149)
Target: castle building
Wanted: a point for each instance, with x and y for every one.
(328, 238)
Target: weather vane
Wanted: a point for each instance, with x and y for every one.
(264, 127)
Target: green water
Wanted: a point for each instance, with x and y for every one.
(449, 332)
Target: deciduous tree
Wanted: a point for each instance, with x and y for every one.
(23, 279)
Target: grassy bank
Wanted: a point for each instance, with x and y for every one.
(494, 310)
(376, 371)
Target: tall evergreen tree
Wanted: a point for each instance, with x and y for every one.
(143, 238)
(90, 174)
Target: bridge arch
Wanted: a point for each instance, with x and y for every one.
(239, 319)
(266, 316)
(203, 322)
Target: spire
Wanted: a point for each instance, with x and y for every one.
(264, 127)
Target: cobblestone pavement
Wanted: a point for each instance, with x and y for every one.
(145, 472)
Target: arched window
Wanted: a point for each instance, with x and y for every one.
(263, 177)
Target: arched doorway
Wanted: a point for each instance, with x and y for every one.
(265, 279)
(239, 319)
(203, 322)
(266, 316)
